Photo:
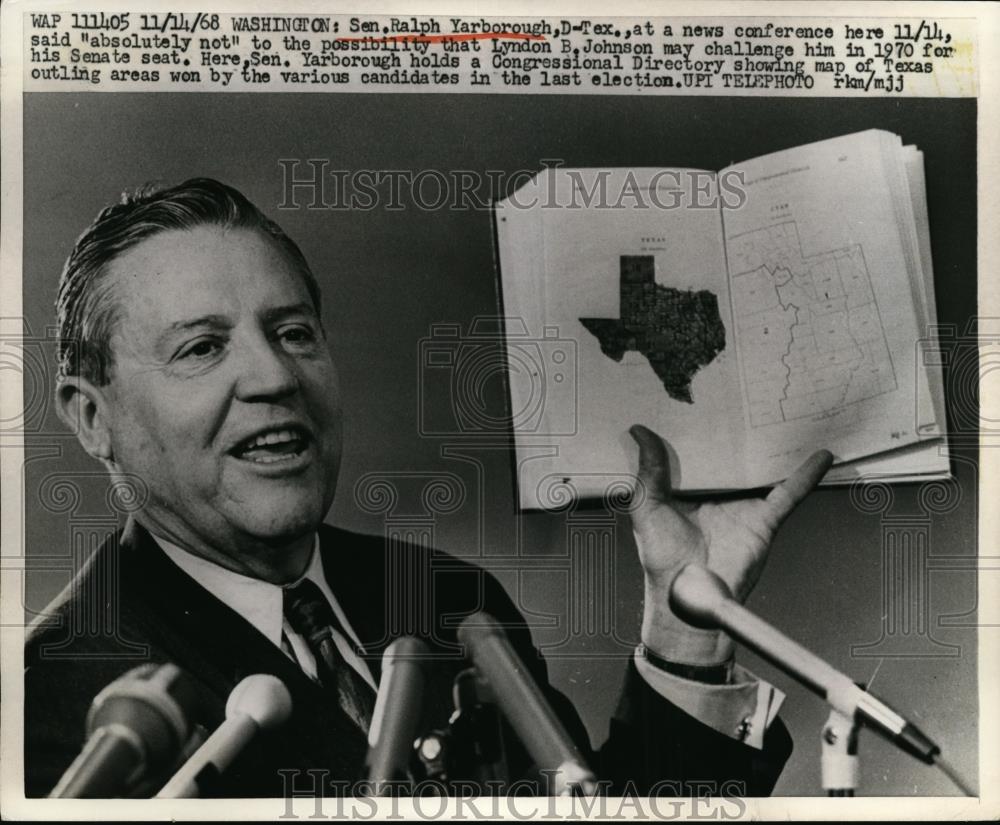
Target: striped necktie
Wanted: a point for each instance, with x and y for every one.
(310, 615)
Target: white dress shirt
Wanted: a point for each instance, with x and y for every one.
(262, 604)
(742, 710)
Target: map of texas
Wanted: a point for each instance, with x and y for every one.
(679, 331)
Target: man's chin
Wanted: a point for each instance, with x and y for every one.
(277, 528)
(275, 511)
(279, 516)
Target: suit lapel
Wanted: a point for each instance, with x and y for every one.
(210, 640)
(354, 568)
(372, 579)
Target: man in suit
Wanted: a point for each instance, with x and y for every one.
(194, 364)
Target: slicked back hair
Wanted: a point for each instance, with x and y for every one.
(86, 306)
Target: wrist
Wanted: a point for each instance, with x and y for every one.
(673, 639)
(718, 674)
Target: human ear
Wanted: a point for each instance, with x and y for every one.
(82, 406)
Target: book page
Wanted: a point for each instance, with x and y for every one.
(821, 267)
(930, 457)
(931, 424)
(634, 290)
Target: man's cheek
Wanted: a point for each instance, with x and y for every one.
(320, 376)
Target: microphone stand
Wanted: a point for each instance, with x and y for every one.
(839, 755)
(475, 725)
(471, 746)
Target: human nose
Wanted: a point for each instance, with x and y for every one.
(265, 372)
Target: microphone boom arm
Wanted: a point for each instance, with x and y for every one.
(702, 599)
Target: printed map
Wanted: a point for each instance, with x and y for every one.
(679, 331)
(808, 329)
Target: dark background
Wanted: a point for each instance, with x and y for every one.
(389, 275)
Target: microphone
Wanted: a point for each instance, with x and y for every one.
(259, 702)
(398, 706)
(136, 726)
(704, 600)
(476, 724)
(522, 702)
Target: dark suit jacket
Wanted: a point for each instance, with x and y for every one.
(132, 604)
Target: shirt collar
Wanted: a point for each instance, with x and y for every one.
(259, 602)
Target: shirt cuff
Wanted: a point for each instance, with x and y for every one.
(743, 709)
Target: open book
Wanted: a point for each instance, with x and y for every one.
(749, 316)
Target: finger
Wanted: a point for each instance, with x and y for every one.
(785, 496)
(654, 463)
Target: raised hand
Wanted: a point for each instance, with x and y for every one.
(731, 538)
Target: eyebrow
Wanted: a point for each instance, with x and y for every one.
(277, 313)
(203, 321)
(210, 321)
(271, 314)
(268, 316)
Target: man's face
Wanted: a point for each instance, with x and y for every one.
(224, 398)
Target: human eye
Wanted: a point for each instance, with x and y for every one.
(202, 349)
(297, 335)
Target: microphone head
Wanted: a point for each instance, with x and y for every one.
(262, 697)
(159, 703)
(478, 626)
(697, 595)
(406, 648)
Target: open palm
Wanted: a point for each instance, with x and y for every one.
(731, 538)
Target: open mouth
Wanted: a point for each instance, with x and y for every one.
(274, 445)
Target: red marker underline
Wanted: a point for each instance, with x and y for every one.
(442, 38)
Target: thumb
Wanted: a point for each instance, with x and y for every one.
(785, 496)
(654, 462)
